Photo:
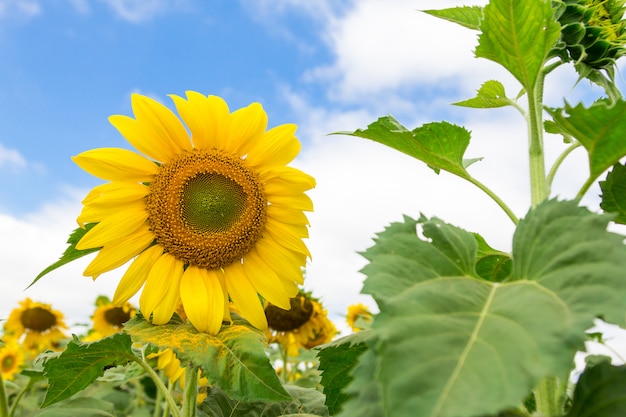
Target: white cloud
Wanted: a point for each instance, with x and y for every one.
(11, 158)
(19, 8)
(136, 11)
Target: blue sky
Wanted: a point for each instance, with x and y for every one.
(327, 65)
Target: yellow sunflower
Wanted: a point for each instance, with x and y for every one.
(207, 218)
(358, 312)
(304, 325)
(109, 319)
(11, 359)
(36, 325)
(168, 362)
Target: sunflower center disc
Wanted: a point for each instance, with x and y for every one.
(116, 316)
(206, 208)
(38, 319)
(286, 320)
(7, 363)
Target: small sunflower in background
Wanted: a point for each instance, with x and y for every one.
(205, 219)
(36, 326)
(358, 313)
(304, 325)
(11, 358)
(108, 318)
(168, 362)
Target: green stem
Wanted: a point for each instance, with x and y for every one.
(539, 188)
(160, 386)
(191, 392)
(559, 161)
(586, 185)
(19, 397)
(4, 404)
(548, 398)
(494, 197)
(157, 402)
(285, 357)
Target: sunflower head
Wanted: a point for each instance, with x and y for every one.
(592, 31)
(11, 359)
(108, 318)
(206, 219)
(358, 313)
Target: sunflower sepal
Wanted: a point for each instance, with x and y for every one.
(234, 359)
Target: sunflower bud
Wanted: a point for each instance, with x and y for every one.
(592, 31)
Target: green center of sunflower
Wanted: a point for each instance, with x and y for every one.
(287, 320)
(7, 363)
(116, 316)
(38, 319)
(206, 208)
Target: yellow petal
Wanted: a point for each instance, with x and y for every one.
(287, 215)
(112, 228)
(203, 299)
(296, 201)
(161, 292)
(136, 274)
(114, 164)
(244, 296)
(280, 259)
(118, 252)
(116, 193)
(279, 146)
(290, 175)
(95, 213)
(248, 126)
(208, 119)
(155, 131)
(289, 236)
(267, 283)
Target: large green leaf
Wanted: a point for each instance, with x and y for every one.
(364, 392)
(234, 359)
(71, 253)
(80, 407)
(440, 145)
(614, 193)
(452, 344)
(468, 16)
(600, 128)
(80, 364)
(600, 392)
(518, 34)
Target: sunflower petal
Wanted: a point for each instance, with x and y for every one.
(208, 119)
(289, 236)
(161, 291)
(287, 215)
(244, 296)
(112, 228)
(115, 164)
(203, 299)
(136, 274)
(118, 252)
(247, 129)
(279, 146)
(95, 213)
(282, 261)
(267, 283)
(296, 201)
(291, 175)
(116, 193)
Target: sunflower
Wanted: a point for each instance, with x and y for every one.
(40, 326)
(304, 325)
(109, 319)
(11, 359)
(168, 362)
(356, 313)
(214, 217)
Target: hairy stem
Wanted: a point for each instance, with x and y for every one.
(161, 387)
(548, 398)
(494, 197)
(539, 188)
(559, 161)
(191, 392)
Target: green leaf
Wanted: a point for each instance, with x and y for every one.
(614, 193)
(80, 364)
(491, 264)
(518, 35)
(364, 392)
(336, 362)
(304, 402)
(440, 145)
(451, 344)
(234, 359)
(490, 95)
(468, 16)
(600, 392)
(71, 253)
(80, 407)
(600, 128)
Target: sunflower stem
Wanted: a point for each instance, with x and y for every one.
(17, 399)
(548, 398)
(4, 405)
(191, 392)
(161, 387)
(285, 357)
(539, 187)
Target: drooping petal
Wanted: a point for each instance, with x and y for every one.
(279, 146)
(289, 236)
(136, 274)
(208, 119)
(247, 129)
(203, 298)
(296, 201)
(244, 296)
(287, 215)
(267, 283)
(161, 291)
(115, 164)
(283, 261)
(112, 228)
(120, 251)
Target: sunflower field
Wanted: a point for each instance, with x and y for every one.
(208, 220)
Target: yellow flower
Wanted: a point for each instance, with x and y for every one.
(207, 218)
(11, 359)
(356, 312)
(40, 326)
(304, 325)
(109, 319)
(175, 373)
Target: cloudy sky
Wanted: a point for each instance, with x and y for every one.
(327, 65)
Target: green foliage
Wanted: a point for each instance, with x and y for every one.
(600, 392)
(82, 363)
(614, 193)
(80, 407)
(468, 16)
(71, 253)
(490, 95)
(234, 359)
